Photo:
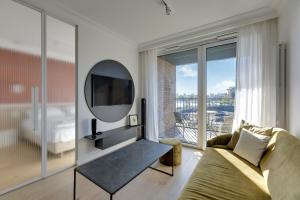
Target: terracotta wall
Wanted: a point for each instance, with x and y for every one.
(20, 71)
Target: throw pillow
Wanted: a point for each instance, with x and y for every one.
(252, 128)
(235, 136)
(251, 146)
(262, 130)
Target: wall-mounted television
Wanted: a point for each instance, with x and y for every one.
(108, 91)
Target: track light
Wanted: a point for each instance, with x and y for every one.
(168, 8)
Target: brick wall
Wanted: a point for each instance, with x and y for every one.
(166, 96)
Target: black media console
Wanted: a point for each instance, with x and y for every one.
(112, 137)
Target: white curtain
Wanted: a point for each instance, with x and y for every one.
(149, 80)
(256, 74)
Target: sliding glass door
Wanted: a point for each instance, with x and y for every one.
(196, 91)
(178, 96)
(60, 107)
(37, 99)
(220, 65)
(20, 97)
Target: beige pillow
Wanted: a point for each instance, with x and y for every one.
(261, 130)
(251, 146)
(235, 136)
(253, 128)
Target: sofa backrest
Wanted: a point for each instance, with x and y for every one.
(280, 165)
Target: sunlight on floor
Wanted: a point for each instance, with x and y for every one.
(198, 154)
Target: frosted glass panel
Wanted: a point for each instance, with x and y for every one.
(20, 96)
(60, 94)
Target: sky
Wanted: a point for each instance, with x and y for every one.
(220, 76)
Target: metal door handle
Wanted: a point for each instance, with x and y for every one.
(34, 107)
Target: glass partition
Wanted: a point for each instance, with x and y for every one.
(20, 96)
(21, 128)
(60, 95)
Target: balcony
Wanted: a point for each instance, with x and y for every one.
(182, 123)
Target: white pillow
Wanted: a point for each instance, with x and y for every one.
(251, 146)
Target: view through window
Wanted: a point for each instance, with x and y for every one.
(178, 96)
(187, 101)
(221, 82)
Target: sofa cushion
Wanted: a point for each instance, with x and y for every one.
(281, 165)
(220, 174)
(235, 136)
(219, 140)
(251, 127)
(220, 146)
(251, 146)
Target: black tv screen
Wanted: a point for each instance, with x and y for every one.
(108, 91)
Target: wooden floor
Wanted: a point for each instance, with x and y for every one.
(150, 185)
(23, 162)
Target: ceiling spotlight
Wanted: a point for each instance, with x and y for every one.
(168, 8)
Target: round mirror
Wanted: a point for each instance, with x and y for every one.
(109, 91)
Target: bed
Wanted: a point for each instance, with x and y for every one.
(60, 129)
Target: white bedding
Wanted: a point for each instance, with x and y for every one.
(59, 129)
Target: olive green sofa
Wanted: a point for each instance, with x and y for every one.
(221, 174)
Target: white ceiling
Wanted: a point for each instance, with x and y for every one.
(145, 20)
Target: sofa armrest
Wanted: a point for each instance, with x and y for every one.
(219, 140)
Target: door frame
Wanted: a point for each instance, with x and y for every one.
(201, 98)
(45, 173)
(202, 87)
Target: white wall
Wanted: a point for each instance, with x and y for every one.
(95, 43)
(289, 33)
(93, 47)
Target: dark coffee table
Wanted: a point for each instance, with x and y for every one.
(113, 171)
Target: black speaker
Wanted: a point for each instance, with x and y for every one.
(94, 127)
(143, 117)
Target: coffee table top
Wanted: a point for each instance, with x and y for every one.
(113, 171)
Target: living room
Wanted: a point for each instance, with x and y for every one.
(159, 99)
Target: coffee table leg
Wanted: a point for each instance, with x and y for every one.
(74, 187)
(172, 161)
(168, 173)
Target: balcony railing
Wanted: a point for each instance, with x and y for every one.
(219, 112)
